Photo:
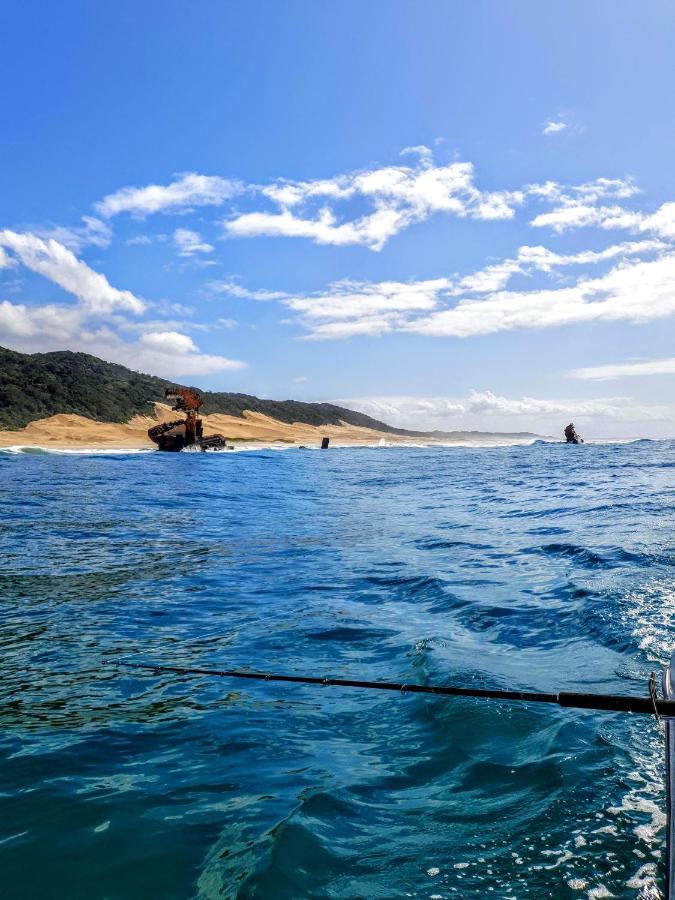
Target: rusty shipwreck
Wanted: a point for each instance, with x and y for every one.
(185, 433)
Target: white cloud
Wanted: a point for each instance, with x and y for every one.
(349, 299)
(190, 242)
(368, 207)
(231, 287)
(373, 231)
(181, 309)
(93, 232)
(661, 222)
(366, 325)
(541, 259)
(397, 196)
(51, 327)
(60, 265)
(55, 322)
(351, 308)
(425, 153)
(635, 292)
(488, 411)
(578, 205)
(168, 353)
(554, 126)
(621, 370)
(187, 191)
(584, 215)
(169, 342)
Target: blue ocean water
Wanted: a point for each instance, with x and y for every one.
(543, 567)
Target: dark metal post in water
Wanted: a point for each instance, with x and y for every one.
(324, 443)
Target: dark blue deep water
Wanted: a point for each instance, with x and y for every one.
(545, 567)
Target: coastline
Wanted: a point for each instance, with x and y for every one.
(255, 431)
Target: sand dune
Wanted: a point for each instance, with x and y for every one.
(71, 432)
(66, 431)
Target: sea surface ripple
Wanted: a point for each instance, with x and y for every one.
(544, 567)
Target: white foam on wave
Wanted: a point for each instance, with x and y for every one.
(30, 449)
(650, 611)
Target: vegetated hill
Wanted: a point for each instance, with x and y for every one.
(37, 385)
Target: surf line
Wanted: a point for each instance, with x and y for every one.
(649, 705)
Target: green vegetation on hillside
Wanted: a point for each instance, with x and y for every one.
(38, 385)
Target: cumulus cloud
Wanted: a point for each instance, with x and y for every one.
(56, 323)
(661, 222)
(584, 205)
(93, 232)
(368, 207)
(190, 242)
(583, 215)
(395, 197)
(349, 308)
(173, 353)
(187, 191)
(60, 265)
(636, 292)
(628, 369)
(55, 326)
(373, 230)
(232, 288)
(578, 213)
(169, 342)
(348, 299)
(554, 126)
(486, 410)
(540, 259)
(424, 153)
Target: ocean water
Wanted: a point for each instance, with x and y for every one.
(543, 567)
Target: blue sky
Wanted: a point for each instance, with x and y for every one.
(447, 214)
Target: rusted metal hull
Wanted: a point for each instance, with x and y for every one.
(172, 437)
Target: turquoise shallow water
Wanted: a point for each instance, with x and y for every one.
(544, 567)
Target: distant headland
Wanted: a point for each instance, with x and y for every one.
(64, 399)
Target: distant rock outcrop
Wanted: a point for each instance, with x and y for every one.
(571, 435)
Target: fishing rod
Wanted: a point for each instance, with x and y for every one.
(650, 705)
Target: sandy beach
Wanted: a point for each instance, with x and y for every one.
(67, 431)
(72, 432)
